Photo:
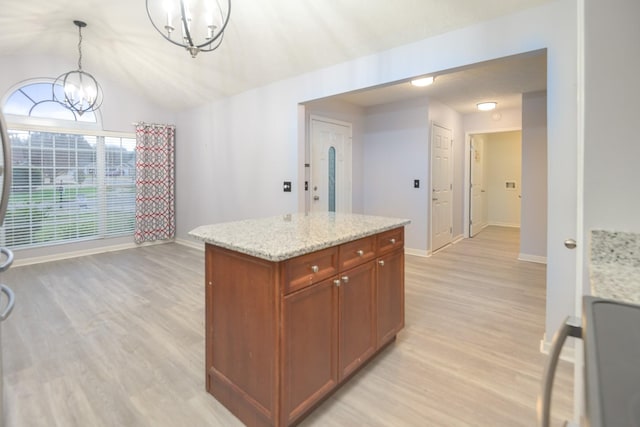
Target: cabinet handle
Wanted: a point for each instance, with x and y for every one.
(315, 268)
(345, 279)
(392, 241)
(360, 252)
(381, 262)
(337, 282)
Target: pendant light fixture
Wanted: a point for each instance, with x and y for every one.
(201, 23)
(80, 90)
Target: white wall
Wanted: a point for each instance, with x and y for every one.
(612, 147)
(396, 152)
(234, 154)
(121, 106)
(503, 157)
(533, 232)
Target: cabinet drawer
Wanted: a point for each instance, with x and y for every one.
(390, 240)
(357, 252)
(307, 269)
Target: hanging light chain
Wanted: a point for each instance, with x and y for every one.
(80, 47)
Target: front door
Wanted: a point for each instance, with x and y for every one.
(441, 187)
(330, 184)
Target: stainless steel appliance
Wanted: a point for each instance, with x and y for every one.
(611, 334)
(5, 254)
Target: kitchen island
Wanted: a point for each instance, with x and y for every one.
(295, 304)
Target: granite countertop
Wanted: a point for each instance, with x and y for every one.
(286, 236)
(614, 269)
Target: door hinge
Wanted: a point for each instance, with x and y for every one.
(450, 186)
(450, 230)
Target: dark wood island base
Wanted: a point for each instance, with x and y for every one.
(282, 335)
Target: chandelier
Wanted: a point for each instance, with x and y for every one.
(201, 22)
(81, 91)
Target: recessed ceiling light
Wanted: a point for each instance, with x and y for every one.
(487, 106)
(422, 82)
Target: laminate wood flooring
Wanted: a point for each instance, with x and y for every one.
(117, 339)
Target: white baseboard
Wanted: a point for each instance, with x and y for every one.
(74, 254)
(567, 354)
(417, 252)
(533, 258)
(504, 224)
(195, 244)
(457, 239)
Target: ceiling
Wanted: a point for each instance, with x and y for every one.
(502, 80)
(265, 41)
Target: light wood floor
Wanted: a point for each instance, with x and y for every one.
(117, 340)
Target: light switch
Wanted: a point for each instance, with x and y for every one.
(286, 187)
(416, 183)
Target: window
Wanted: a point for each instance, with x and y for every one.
(68, 185)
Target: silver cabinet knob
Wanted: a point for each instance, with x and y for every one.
(345, 279)
(337, 282)
(392, 241)
(360, 252)
(570, 243)
(381, 262)
(315, 268)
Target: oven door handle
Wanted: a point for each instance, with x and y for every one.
(9, 258)
(12, 300)
(570, 327)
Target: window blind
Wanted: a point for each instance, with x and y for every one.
(69, 187)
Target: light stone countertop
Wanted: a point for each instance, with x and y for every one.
(286, 236)
(614, 269)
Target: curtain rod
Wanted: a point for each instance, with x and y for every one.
(155, 125)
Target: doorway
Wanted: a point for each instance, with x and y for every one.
(495, 173)
(330, 162)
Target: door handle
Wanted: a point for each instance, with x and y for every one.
(570, 328)
(570, 243)
(316, 197)
(7, 263)
(12, 300)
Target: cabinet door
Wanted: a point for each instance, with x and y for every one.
(390, 298)
(357, 321)
(310, 347)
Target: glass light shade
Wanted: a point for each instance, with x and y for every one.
(196, 25)
(487, 106)
(422, 82)
(81, 93)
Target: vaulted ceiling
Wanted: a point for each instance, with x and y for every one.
(265, 41)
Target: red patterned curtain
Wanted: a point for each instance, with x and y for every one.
(155, 182)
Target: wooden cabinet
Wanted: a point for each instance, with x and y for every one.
(281, 336)
(357, 323)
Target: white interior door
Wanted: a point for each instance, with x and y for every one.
(330, 183)
(478, 193)
(441, 187)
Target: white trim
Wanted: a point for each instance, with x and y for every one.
(417, 252)
(567, 353)
(58, 129)
(532, 258)
(195, 244)
(85, 252)
(578, 371)
(467, 169)
(504, 224)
